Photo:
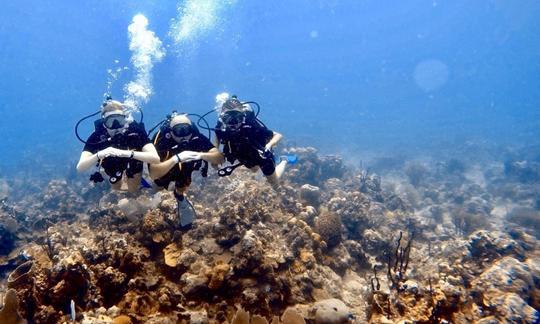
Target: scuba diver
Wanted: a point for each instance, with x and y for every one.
(182, 150)
(118, 145)
(246, 139)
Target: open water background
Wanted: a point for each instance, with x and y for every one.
(358, 78)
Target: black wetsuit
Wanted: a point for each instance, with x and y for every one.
(167, 147)
(247, 145)
(133, 138)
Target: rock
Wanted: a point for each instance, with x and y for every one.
(193, 284)
(492, 245)
(172, 255)
(488, 320)
(514, 309)
(291, 316)
(113, 311)
(112, 284)
(217, 275)
(241, 317)
(509, 275)
(331, 311)
(198, 317)
(7, 240)
(311, 195)
(122, 319)
(410, 286)
(9, 313)
(370, 184)
(526, 217)
(523, 171)
(100, 319)
(257, 319)
(332, 167)
(354, 211)
(506, 285)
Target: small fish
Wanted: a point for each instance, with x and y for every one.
(72, 308)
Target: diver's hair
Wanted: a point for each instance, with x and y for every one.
(232, 104)
(112, 105)
(179, 119)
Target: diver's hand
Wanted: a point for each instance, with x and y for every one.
(113, 151)
(122, 153)
(105, 153)
(195, 155)
(185, 156)
(268, 147)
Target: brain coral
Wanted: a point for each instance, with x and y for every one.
(328, 225)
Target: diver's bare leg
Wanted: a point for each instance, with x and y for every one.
(273, 180)
(181, 190)
(280, 168)
(117, 185)
(134, 183)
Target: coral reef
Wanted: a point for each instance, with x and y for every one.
(9, 313)
(9, 226)
(314, 169)
(328, 225)
(431, 243)
(526, 217)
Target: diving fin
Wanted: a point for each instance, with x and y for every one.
(290, 158)
(145, 184)
(185, 210)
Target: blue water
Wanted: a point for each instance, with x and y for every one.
(338, 75)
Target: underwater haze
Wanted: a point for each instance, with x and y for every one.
(407, 188)
(352, 77)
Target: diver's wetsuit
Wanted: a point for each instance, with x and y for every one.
(167, 147)
(133, 138)
(247, 145)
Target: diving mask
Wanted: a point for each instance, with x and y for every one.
(181, 132)
(233, 119)
(114, 121)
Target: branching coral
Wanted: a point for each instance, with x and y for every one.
(398, 261)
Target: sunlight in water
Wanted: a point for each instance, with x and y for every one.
(430, 75)
(196, 18)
